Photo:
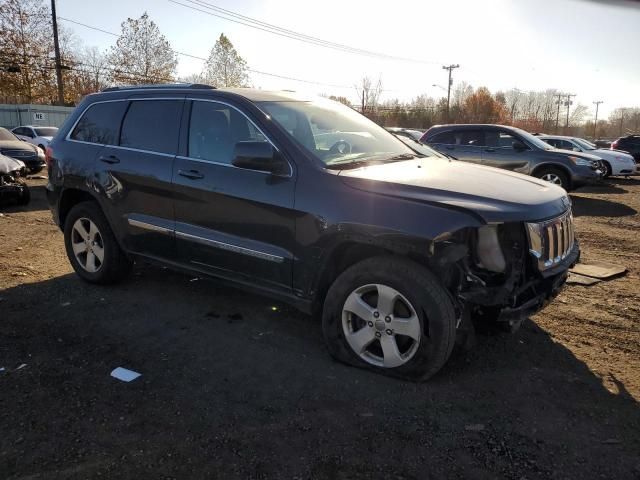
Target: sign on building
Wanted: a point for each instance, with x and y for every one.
(39, 116)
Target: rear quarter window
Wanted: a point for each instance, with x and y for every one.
(100, 123)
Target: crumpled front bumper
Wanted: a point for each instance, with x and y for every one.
(547, 288)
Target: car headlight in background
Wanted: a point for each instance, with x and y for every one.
(582, 161)
(40, 154)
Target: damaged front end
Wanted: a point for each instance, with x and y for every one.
(12, 187)
(505, 272)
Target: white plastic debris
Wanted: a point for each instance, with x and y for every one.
(21, 366)
(124, 374)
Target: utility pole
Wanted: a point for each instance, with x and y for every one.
(450, 68)
(56, 46)
(595, 122)
(568, 104)
(558, 102)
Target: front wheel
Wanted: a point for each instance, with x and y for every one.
(607, 169)
(392, 316)
(555, 176)
(91, 246)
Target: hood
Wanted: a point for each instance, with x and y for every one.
(586, 156)
(613, 154)
(493, 194)
(16, 145)
(48, 138)
(8, 164)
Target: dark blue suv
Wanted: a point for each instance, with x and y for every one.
(307, 201)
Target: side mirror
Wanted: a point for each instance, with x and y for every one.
(519, 146)
(258, 156)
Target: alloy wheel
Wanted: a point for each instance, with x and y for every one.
(381, 326)
(552, 178)
(87, 245)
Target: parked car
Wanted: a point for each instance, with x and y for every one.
(12, 146)
(514, 149)
(396, 252)
(12, 187)
(629, 144)
(602, 143)
(38, 136)
(418, 147)
(407, 132)
(613, 162)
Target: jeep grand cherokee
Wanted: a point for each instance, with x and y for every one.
(309, 202)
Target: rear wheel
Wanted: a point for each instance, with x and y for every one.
(91, 246)
(392, 316)
(555, 176)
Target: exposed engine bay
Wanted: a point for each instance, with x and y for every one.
(506, 272)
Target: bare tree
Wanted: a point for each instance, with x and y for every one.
(93, 64)
(462, 91)
(368, 93)
(225, 67)
(141, 54)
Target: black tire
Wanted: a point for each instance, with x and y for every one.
(428, 298)
(560, 174)
(115, 266)
(607, 169)
(25, 198)
(41, 147)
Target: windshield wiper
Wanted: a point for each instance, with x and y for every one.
(356, 162)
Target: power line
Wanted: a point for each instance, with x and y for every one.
(224, 14)
(259, 72)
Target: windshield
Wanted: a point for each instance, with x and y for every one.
(336, 134)
(7, 135)
(534, 140)
(46, 131)
(418, 147)
(584, 144)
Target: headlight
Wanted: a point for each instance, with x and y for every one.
(581, 161)
(40, 153)
(489, 253)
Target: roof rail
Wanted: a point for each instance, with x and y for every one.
(158, 86)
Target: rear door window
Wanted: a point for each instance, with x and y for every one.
(100, 123)
(152, 125)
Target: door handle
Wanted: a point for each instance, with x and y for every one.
(110, 159)
(489, 149)
(193, 174)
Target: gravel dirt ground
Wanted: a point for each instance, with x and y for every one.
(236, 386)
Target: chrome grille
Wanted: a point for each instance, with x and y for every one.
(551, 241)
(20, 154)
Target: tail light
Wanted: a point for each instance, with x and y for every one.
(48, 156)
(614, 145)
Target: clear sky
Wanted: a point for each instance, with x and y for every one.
(590, 48)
